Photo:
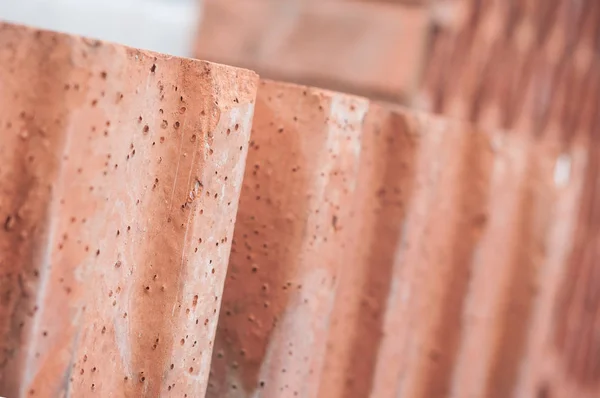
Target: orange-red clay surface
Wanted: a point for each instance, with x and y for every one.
(119, 184)
(377, 252)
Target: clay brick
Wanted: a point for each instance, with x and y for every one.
(372, 49)
(465, 274)
(532, 67)
(119, 183)
(288, 243)
(448, 254)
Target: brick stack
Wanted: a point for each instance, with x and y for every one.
(377, 251)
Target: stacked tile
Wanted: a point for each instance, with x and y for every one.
(377, 252)
(452, 286)
(522, 65)
(535, 67)
(367, 48)
(118, 193)
(425, 258)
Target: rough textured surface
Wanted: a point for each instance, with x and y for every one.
(450, 252)
(386, 181)
(118, 192)
(289, 242)
(379, 252)
(534, 66)
(450, 285)
(357, 47)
